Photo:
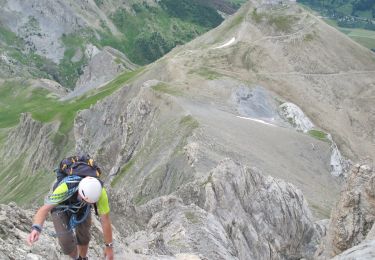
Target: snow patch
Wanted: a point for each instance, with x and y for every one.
(256, 120)
(295, 116)
(230, 42)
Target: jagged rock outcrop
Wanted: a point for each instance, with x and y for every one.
(54, 87)
(31, 143)
(41, 24)
(15, 224)
(354, 214)
(103, 66)
(115, 126)
(363, 251)
(235, 213)
(27, 152)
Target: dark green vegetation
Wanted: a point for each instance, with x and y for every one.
(193, 11)
(318, 135)
(349, 13)
(151, 31)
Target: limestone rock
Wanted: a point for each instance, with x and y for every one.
(226, 217)
(30, 140)
(103, 66)
(354, 214)
(363, 251)
(15, 225)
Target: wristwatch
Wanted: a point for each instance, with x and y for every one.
(37, 227)
(109, 244)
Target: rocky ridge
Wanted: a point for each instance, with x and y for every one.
(103, 66)
(163, 138)
(27, 152)
(354, 215)
(198, 220)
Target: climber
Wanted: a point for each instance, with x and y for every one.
(70, 206)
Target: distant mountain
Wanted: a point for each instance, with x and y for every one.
(52, 39)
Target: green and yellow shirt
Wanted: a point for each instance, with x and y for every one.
(65, 191)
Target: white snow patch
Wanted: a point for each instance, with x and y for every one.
(339, 165)
(256, 120)
(230, 42)
(296, 117)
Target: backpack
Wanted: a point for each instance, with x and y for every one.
(81, 166)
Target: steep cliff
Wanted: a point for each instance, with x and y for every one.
(354, 215)
(27, 153)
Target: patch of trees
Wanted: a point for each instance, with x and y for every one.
(151, 47)
(193, 11)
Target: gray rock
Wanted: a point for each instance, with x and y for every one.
(363, 251)
(30, 140)
(354, 214)
(103, 66)
(226, 217)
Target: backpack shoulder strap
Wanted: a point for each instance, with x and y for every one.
(96, 209)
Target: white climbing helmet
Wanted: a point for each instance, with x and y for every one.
(90, 188)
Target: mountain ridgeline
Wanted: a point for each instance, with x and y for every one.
(240, 144)
(52, 42)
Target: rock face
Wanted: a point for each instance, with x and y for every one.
(31, 139)
(28, 150)
(15, 224)
(117, 128)
(354, 214)
(104, 65)
(222, 217)
(363, 251)
(41, 27)
(225, 216)
(296, 117)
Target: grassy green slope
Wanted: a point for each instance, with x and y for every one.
(17, 97)
(149, 32)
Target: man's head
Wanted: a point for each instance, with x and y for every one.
(90, 189)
